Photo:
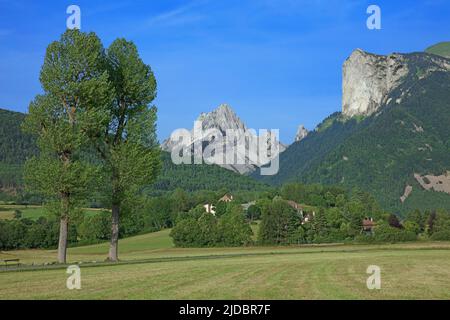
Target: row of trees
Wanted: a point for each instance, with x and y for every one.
(139, 214)
(338, 220)
(334, 215)
(44, 232)
(94, 126)
(281, 225)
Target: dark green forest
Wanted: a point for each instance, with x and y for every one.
(15, 147)
(381, 153)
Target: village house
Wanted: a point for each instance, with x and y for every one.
(226, 198)
(308, 217)
(210, 208)
(368, 224)
(247, 205)
(297, 207)
(305, 217)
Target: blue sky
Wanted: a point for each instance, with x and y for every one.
(276, 62)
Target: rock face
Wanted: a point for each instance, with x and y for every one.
(222, 118)
(368, 79)
(215, 128)
(302, 132)
(406, 193)
(437, 183)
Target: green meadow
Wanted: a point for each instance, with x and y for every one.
(152, 268)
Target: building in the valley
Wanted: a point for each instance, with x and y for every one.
(210, 208)
(226, 198)
(307, 217)
(368, 224)
(247, 205)
(296, 206)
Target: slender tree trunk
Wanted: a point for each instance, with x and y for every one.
(114, 245)
(62, 245)
(64, 220)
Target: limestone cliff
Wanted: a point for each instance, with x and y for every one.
(368, 79)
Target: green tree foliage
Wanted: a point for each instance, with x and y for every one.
(254, 212)
(221, 208)
(161, 212)
(75, 89)
(94, 228)
(234, 231)
(319, 225)
(416, 221)
(386, 233)
(200, 229)
(193, 178)
(186, 233)
(126, 140)
(279, 223)
(25, 234)
(315, 195)
(15, 147)
(17, 214)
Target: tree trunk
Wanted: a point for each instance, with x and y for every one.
(62, 245)
(113, 248)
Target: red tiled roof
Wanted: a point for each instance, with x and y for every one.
(294, 205)
(368, 223)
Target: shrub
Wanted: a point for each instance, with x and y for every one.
(95, 228)
(385, 233)
(443, 235)
(278, 224)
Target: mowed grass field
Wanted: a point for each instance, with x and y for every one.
(408, 271)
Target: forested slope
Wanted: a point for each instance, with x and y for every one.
(381, 153)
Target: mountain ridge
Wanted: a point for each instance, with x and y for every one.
(212, 131)
(381, 150)
(391, 138)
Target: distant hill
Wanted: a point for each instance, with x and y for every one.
(203, 177)
(440, 49)
(15, 147)
(383, 145)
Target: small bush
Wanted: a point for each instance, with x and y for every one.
(441, 235)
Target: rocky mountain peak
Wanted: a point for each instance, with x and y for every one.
(368, 79)
(302, 132)
(222, 118)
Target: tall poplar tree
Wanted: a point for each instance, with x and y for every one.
(74, 105)
(128, 145)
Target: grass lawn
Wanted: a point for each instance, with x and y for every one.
(408, 271)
